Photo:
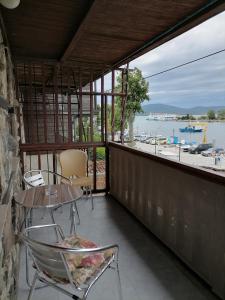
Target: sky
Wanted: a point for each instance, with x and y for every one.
(199, 84)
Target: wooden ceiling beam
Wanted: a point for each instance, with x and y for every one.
(78, 35)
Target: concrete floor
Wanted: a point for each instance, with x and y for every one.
(148, 270)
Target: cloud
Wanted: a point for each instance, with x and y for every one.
(200, 83)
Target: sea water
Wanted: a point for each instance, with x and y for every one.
(215, 131)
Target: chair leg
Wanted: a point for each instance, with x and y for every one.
(32, 286)
(78, 217)
(27, 268)
(86, 190)
(31, 217)
(52, 216)
(92, 201)
(26, 224)
(73, 227)
(119, 283)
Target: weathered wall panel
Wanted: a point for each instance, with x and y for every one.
(184, 208)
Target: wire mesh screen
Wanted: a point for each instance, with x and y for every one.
(64, 108)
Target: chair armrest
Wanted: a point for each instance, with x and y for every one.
(63, 178)
(58, 228)
(89, 250)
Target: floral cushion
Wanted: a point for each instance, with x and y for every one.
(84, 266)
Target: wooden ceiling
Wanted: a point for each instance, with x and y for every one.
(98, 35)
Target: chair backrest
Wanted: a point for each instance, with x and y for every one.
(73, 162)
(48, 260)
(62, 260)
(33, 178)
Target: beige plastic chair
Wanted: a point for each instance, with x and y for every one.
(74, 166)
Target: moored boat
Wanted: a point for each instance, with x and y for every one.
(191, 129)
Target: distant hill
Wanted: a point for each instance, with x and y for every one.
(170, 109)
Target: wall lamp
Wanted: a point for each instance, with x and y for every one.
(11, 4)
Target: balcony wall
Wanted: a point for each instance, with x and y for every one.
(182, 205)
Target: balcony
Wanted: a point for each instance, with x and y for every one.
(148, 269)
(168, 218)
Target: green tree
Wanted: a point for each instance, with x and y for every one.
(211, 114)
(221, 114)
(137, 90)
(202, 118)
(187, 117)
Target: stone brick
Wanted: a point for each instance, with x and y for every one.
(9, 164)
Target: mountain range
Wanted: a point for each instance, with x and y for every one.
(170, 109)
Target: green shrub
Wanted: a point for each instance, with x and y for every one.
(100, 153)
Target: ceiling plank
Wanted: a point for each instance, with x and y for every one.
(79, 34)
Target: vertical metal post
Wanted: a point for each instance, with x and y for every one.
(69, 111)
(106, 119)
(44, 103)
(62, 105)
(179, 150)
(54, 166)
(95, 97)
(107, 170)
(102, 108)
(113, 106)
(18, 110)
(94, 168)
(124, 100)
(31, 105)
(91, 107)
(80, 109)
(25, 112)
(39, 161)
(56, 113)
(36, 108)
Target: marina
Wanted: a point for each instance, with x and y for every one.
(167, 140)
(214, 132)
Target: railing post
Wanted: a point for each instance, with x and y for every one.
(107, 169)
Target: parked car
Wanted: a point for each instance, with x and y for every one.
(148, 140)
(186, 147)
(158, 141)
(199, 148)
(143, 138)
(137, 138)
(219, 151)
(140, 137)
(213, 151)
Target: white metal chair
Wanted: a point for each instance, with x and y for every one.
(74, 166)
(34, 178)
(65, 263)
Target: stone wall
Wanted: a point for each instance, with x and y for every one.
(10, 178)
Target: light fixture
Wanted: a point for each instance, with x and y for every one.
(11, 4)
